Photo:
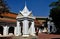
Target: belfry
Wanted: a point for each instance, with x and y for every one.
(25, 18)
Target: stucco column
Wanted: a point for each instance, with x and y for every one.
(18, 29)
(5, 31)
(53, 27)
(48, 23)
(32, 28)
(25, 28)
(15, 31)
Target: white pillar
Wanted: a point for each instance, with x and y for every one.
(53, 27)
(39, 31)
(18, 28)
(32, 29)
(15, 31)
(5, 31)
(25, 28)
(48, 23)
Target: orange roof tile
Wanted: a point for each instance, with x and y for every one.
(11, 15)
(7, 20)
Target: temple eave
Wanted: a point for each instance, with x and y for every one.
(7, 20)
(25, 17)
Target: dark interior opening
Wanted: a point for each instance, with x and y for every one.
(11, 30)
(1, 30)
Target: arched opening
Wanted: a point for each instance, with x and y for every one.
(1, 30)
(11, 30)
(29, 24)
(21, 24)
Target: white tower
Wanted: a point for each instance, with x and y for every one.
(25, 16)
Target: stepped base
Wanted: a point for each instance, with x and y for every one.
(25, 35)
(19, 37)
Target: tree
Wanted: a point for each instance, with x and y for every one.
(3, 7)
(55, 14)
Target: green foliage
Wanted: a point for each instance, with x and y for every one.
(55, 13)
(3, 7)
(52, 4)
(55, 4)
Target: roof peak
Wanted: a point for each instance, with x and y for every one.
(25, 3)
(25, 9)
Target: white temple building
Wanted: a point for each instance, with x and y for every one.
(25, 16)
(26, 24)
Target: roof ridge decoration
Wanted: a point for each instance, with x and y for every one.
(25, 12)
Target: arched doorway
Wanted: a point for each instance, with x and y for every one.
(1, 30)
(11, 30)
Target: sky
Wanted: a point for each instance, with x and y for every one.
(38, 7)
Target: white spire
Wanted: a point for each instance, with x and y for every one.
(25, 11)
(25, 4)
(25, 8)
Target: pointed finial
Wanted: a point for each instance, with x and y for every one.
(25, 3)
